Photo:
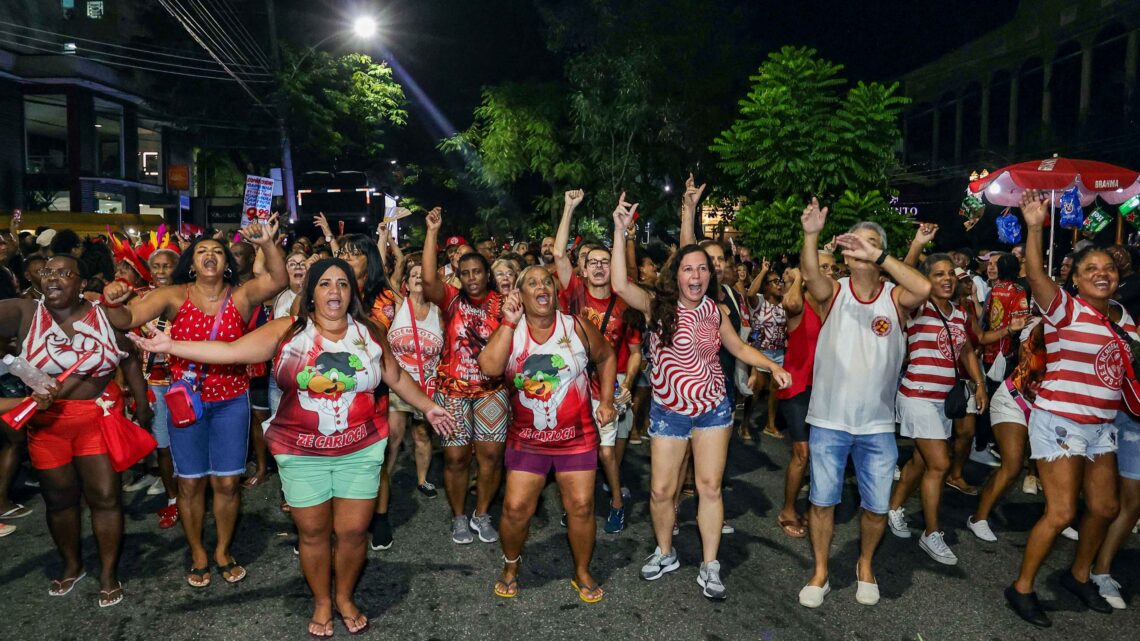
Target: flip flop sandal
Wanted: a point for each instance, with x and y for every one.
(968, 490)
(17, 512)
(585, 589)
(229, 567)
(355, 621)
(71, 581)
(787, 526)
(106, 600)
(505, 592)
(327, 625)
(203, 576)
(253, 482)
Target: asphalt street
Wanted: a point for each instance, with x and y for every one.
(427, 588)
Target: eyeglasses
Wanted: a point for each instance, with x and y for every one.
(61, 273)
(775, 281)
(597, 263)
(349, 253)
(295, 264)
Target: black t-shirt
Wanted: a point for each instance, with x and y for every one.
(727, 360)
(1128, 293)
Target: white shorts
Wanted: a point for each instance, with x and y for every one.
(921, 418)
(1004, 408)
(619, 428)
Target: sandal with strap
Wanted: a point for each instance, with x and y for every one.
(198, 577)
(353, 624)
(326, 626)
(234, 576)
(106, 600)
(506, 592)
(58, 585)
(584, 590)
(793, 528)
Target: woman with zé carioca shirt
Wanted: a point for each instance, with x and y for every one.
(1071, 431)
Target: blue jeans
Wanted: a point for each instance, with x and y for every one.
(216, 445)
(875, 456)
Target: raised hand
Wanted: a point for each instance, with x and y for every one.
(765, 264)
(117, 292)
(441, 421)
(857, 247)
(322, 223)
(512, 307)
(830, 246)
(434, 219)
(925, 233)
(261, 234)
(1033, 208)
(623, 213)
(692, 194)
(813, 217)
(573, 198)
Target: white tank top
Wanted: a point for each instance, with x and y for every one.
(401, 338)
(857, 364)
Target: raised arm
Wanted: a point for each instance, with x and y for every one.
(433, 288)
(758, 282)
(633, 295)
(140, 309)
(570, 202)
(689, 201)
(258, 346)
(819, 285)
(493, 357)
(793, 301)
(276, 277)
(912, 288)
(924, 235)
(1043, 288)
(322, 223)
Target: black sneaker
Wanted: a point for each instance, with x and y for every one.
(1087, 592)
(381, 532)
(428, 490)
(1027, 607)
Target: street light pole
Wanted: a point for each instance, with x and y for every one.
(287, 187)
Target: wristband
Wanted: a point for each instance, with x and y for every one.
(104, 303)
(882, 258)
(510, 324)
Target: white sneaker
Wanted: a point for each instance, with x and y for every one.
(896, 519)
(985, 457)
(934, 544)
(157, 488)
(725, 528)
(1030, 484)
(812, 596)
(1071, 534)
(1109, 590)
(981, 529)
(144, 480)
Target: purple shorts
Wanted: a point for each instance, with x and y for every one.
(540, 464)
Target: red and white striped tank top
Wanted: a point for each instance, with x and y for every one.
(1083, 365)
(687, 377)
(932, 371)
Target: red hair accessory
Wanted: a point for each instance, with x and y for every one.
(123, 252)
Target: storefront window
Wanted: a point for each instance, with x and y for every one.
(108, 203)
(45, 131)
(109, 139)
(150, 155)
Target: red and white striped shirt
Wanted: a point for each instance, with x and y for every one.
(687, 377)
(932, 370)
(1083, 366)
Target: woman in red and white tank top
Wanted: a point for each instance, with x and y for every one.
(1071, 435)
(938, 338)
(546, 358)
(328, 434)
(213, 449)
(686, 330)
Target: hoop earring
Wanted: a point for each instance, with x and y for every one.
(193, 274)
(312, 306)
(227, 274)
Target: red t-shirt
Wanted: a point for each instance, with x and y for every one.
(1006, 300)
(468, 325)
(577, 300)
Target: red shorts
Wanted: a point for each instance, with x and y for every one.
(541, 464)
(68, 429)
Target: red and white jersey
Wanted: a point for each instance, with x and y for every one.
(551, 410)
(857, 363)
(932, 370)
(50, 349)
(686, 376)
(403, 337)
(1083, 362)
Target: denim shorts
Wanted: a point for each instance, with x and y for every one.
(1052, 437)
(217, 444)
(875, 456)
(1128, 440)
(307, 481)
(775, 355)
(670, 424)
(160, 427)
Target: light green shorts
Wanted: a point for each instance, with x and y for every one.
(311, 480)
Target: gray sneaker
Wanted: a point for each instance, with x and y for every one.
(459, 532)
(658, 564)
(709, 580)
(481, 525)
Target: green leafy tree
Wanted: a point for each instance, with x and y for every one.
(803, 131)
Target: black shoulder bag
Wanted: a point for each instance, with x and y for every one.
(958, 398)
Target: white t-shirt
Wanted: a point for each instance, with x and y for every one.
(283, 304)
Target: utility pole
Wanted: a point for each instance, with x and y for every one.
(279, 102)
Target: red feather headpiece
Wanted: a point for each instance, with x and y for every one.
(123, 252)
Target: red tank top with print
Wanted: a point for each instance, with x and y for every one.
(222, 382)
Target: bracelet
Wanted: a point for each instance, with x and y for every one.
(882, 258)
(104, 303)
(510, 324)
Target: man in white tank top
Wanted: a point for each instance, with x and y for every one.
(852, 410)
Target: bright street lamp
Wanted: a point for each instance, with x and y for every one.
(364, 27)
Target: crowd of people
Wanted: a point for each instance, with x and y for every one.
(320, 359)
